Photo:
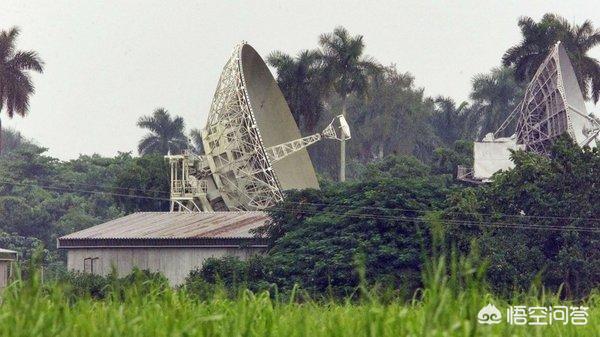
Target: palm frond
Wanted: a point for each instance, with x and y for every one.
(149, 144)
(27, 60)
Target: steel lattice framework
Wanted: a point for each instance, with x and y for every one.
(552, 105)
(240, 166)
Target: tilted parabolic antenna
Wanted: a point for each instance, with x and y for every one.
(552, 106)
(253, 150)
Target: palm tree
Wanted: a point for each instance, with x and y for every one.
(348, 71)
(495, 96)
(166, 134)
(449, 120)
(540, 37)
(196, 139)
(15, 80)
(302, 83)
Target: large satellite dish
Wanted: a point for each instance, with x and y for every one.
(253, 150)
(552, 106)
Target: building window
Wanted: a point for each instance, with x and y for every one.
(90, 265)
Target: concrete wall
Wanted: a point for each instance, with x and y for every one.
(4, 273)
(173, 263)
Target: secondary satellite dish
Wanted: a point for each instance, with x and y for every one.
(552, 106)
(253, 148)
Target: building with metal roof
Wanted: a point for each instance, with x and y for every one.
(170, 243)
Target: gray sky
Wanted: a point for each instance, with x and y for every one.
(109, 62)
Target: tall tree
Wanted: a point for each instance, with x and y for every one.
(449, 120)
(166, 133)
(348, 71)
(495, 95)
(540, 37)
(15, 80)
(395, 107)
(12, 140)
(301, 80)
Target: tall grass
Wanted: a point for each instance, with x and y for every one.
(446, 306)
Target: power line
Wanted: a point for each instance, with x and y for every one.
(84, 191)
(447, 221)
(105, 186)
(454, 212)
(495, 224)
(335, 205)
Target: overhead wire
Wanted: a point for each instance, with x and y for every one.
(452, 212)
(68, 189)
(348, 213)
(520, 216)
(445, 221)
(107, 187)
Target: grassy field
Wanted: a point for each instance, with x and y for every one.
(448, 306)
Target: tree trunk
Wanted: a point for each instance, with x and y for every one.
(343, 146)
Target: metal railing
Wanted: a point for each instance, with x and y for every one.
(188, 188)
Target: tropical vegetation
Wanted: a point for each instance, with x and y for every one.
(143, 304)
(166, 136)
(540, 37)
(400, 248)
(15, 80)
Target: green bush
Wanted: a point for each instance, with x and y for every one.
(99, 287)
(230, 274)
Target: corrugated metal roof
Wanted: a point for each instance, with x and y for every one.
(7, 255)
(164, 225)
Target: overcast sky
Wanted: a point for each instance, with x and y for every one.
(108, 63)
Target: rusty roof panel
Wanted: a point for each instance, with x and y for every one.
(164, 225)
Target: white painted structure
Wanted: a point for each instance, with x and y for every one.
(492, 155)
(253, 150)
(174, 263)
(170, 243)
(7, 258)
(552, 106)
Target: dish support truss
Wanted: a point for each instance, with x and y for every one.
(552, 105)
(190, 173)
(338, 129)
(235, 172)
(240, 167)
(548, 111)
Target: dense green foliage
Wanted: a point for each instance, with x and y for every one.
(558, 197)
(101, 287)
(42, 198)
(319, 237)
